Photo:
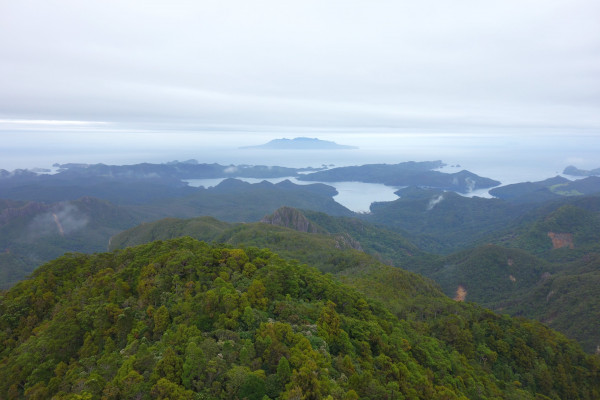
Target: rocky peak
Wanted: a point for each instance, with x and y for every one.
(291, 218)
(345, 241)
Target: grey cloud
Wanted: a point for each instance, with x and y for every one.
(414, 65)
(65, 219)
(434, 201)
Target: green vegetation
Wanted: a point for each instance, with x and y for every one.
(549, 189)
(489, 274)
(573, 171)
(442, 222)
(236, 201)
(534, 253)
(325, 252)
(505, 279)
(562, 189)
(33, 233)
(391, 247)
(30, 236)
(566, 301)
(527, 276)
(181, 319)
(405, 174)
(338, 240)
(579, 221)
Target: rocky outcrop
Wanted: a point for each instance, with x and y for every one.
(461, 293)
(291, 218)
(560, 240)
(294, 219)
(345, 241)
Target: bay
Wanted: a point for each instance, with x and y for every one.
(355, 196)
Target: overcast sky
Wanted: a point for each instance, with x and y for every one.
(427, 65)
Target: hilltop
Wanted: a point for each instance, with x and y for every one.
(492, 275)
(183, 319)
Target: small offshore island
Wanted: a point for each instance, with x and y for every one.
(301, 143)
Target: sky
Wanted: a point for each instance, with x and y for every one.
(276, 66)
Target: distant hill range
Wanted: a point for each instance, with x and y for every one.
(404, 174)
(549, 189)
(574, 171)
(301, 143)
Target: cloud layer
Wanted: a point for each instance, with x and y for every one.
(427, 65)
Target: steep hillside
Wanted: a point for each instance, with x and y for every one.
(182, 320)
(391, 247)
(388, 246)
(567, 301)
(311, 237)
(563, 294)
(490, 275)
(292, 218)
(442, 222)
(558, 231)
(543, 266)
(33, 233)
(549, 189)
(487, 274)
(326, 252)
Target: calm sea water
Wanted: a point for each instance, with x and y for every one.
(356, 196)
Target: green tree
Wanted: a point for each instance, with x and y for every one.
(170, 366)
(193, 367)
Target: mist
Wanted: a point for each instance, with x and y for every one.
(64, 219)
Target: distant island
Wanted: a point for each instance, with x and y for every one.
(573, 171)
(300, 143)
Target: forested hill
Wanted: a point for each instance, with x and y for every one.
(313, 237)
(561, 289)
(181, 319)
(405, 174)
(33, 232)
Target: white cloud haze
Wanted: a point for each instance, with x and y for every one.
(427, 65)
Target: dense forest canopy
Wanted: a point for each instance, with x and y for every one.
(183, 319)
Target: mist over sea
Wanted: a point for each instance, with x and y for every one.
(509, 158)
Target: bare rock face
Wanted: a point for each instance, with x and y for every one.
(291, 218)
(560, 240)
(345, 241)
(461, 293)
